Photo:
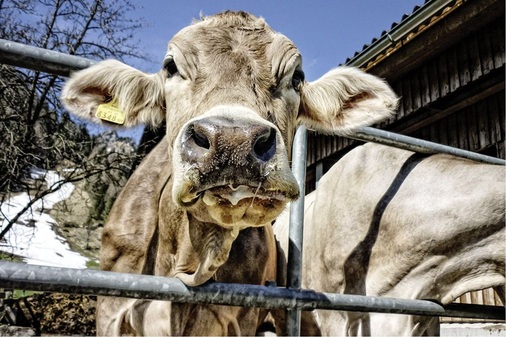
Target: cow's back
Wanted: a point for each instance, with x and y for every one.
(393, 223)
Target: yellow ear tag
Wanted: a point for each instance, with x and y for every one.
(111, 113)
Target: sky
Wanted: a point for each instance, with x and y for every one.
(326, 32)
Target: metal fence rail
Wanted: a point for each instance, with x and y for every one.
(370, 134)
(293, 299)
(34, 58)
(57, 63)
(105, 283)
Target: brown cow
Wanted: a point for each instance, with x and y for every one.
(389, 222)
(200, 206)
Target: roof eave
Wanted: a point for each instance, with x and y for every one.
(420, 16)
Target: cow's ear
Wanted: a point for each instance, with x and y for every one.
(112, 92)
(345, 99)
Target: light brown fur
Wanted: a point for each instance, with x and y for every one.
(441, 235)
(201, 211)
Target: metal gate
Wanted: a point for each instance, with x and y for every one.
(292, 298)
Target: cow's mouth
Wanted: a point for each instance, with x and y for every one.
(232, 195)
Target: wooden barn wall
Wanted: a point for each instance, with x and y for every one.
(466, 74)
(478, 127)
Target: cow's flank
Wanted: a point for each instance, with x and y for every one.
(232, 92)
(389, 222)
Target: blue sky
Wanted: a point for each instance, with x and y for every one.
(326, 32)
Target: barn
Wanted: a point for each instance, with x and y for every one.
(445, 60)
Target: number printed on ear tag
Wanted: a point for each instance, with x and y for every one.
(111, 113)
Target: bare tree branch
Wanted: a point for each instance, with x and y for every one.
(36, 132)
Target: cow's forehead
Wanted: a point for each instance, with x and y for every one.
(237, 31)
(233, 21)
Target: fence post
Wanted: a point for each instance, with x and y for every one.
(294, 270)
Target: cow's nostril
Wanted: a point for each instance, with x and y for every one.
(200, 140)
(265, 146)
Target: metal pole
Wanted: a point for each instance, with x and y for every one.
(57, 63)
(39, 59)
(418, 145)
(294, 270)
(104, 283)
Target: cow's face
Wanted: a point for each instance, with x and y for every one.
(240, 98)
(232, 92)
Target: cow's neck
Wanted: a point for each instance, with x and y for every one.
(206, 248)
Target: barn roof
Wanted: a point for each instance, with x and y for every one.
(402, 32)
(424, 33)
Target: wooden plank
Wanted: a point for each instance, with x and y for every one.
(497, 299)
(434, 132)
(406, 95)
(340, 143)
(434, 81)
(472, 128)
(474, 58)
(415, 91)
(444, 83)
(425, 133)
(463, 140)
(326, 149)
(486, 57)
(453, 69)
(500, 104)
(321, 147)
(488, 296)
(334, 144)
(467, 298)
(443, 131)
(310, 148)
(461, 102)
(318, 148)
(500, 150)
(453, 139)
(474, 297)
(497, 42)
(425, 85)
(463, 64)
(398, 90)
(484, 130)
(493, 119)
(346, 142)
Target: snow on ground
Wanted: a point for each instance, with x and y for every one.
(32, 237)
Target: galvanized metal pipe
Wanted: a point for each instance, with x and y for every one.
(39, 59)
(57, 63)
(103, 283)
(294, 270)
(370, 134)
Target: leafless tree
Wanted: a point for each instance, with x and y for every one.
(36, 132)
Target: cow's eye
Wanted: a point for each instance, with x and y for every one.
(170, 66)
(297, 79)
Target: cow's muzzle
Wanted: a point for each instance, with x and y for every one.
(214, 144)
(234, 169)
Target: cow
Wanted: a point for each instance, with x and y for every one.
(200, 205)
(389, 222)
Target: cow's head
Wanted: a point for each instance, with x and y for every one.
(232, 92)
